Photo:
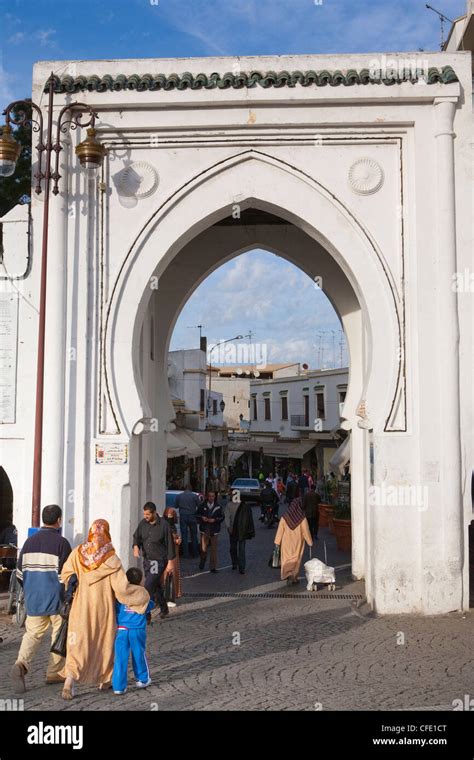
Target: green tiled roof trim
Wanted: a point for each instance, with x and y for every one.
(187, 81)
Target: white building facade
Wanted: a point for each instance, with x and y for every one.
(358, 171)
(200, 436)
(297, 418)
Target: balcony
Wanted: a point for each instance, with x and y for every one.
(299, 422)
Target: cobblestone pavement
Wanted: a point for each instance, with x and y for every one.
(256, 652)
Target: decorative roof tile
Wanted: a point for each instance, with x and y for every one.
(188, 81)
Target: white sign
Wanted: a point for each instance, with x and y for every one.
(111, 453)
(8, 356)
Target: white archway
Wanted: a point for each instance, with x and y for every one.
(355, 279)
(271, 185)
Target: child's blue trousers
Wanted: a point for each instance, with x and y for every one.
(134, 640)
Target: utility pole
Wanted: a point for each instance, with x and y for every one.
(320, 337)
(250, 336)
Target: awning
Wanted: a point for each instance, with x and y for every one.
(202, 438)
(180, 443)
(279, 449)
(175, 446)
(341, 456)
(233, 456)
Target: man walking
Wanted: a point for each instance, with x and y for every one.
(209, 516)
(154, 539)
(188, 503)
(303, 483)
(39, 567)
(291, 488)
(239, 523)
(311, 503)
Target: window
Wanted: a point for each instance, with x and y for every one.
(214, 406)
(342, 398)
(234, 399)
(320, 406)
(268, 415)
(203, 400)
(284, 407)
(254, 409)
(306, 410)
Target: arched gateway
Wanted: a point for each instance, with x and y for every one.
(357, 180)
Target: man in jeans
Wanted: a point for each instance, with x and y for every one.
(154, 539)
(210, 516)
(188, 504)
(38, 570)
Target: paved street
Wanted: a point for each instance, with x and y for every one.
(270, 649)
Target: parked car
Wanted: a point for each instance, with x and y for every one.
(249, 489)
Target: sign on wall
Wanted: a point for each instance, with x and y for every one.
(111, 453)
(8, 356)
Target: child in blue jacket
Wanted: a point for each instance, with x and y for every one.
(131, 636)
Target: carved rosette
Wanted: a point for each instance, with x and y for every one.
(139, 180)
(366, 176)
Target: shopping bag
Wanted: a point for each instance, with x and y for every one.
(169, 588)
(59, 645)
(274, 560)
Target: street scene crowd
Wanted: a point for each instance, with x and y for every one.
(98, 613)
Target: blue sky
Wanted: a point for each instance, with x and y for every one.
(32, 30)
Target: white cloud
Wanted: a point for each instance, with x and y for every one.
(6, 92)
(16, 38)
(44, 36)
(265, 293)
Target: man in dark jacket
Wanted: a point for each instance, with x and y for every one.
(187, 503)
(303, 483)
(39, 567)
(239, 523)
(154, 539)
(311, 503)
(209, 517)
(291, 488)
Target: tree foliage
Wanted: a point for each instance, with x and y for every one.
(17, 188)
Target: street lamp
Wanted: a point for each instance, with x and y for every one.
(221, 343)
(222, 405)
(91, 155)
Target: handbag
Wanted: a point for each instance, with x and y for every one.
(59, 645)
(274, 560)
(169, 588)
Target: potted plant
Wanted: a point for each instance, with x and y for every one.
(341, 520)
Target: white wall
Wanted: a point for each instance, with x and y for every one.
(188, 376)
(236, 394)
